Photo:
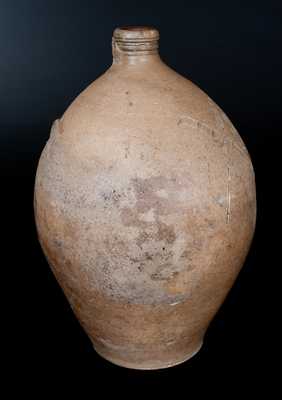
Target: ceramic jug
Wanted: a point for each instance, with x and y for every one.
(145, 207)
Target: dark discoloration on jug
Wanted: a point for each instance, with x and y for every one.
(148, 195)
(155, 197)
(166, 233)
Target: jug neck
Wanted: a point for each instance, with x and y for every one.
(135, 44)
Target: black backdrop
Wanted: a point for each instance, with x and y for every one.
(50, 51)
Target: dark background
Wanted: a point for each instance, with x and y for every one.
(50, 51)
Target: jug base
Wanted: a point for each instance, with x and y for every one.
(152, 365)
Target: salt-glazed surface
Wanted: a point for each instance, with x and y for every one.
(145, 207)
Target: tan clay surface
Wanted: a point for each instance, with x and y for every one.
(145, 207)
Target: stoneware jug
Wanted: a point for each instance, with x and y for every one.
(145, 207)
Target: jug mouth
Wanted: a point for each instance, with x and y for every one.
(136, 33)
(135, 40)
